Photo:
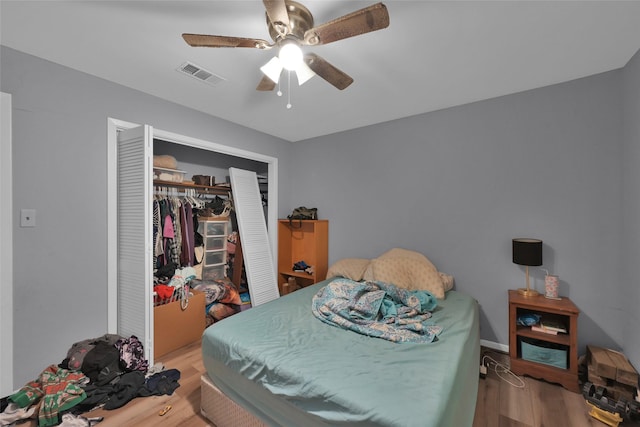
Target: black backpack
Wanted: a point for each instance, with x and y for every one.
(102, 364)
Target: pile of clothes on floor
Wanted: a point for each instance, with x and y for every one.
(222, 298)
(105, 372)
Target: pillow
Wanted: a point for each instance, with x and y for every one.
(349, 268)
(368, 273)
(447, 281)
(408, 269)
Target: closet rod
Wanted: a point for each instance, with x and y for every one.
(199, 189)
(173, 192)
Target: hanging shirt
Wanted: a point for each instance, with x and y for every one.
(188, 246)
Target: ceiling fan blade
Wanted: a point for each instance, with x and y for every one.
(266, 84)
(278, 15)
(336, 77)
(372, 18)
(204, 40)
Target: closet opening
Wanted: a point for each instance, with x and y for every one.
(130, 309)
(211, 193)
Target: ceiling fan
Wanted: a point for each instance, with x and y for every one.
(290, 26)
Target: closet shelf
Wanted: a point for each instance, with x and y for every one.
(215, 189)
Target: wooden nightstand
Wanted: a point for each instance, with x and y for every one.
(563, 311)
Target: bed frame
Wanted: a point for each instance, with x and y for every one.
(221, 410)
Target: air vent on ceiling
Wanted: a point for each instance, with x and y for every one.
(200, 73)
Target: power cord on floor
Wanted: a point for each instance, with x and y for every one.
(502, 371)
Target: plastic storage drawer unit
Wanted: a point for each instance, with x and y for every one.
(542, 352)
(215, 257)
(214, 272)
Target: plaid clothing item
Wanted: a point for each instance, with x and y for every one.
(27, 395)
(59, 390)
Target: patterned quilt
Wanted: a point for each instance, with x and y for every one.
(378, 310)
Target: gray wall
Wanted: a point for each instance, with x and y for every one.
(60, 169)
(459, 184)
(629, 286)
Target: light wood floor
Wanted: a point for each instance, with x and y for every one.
(538, 404)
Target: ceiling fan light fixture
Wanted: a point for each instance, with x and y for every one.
(304, 73)
(272, 69)
(290, 56)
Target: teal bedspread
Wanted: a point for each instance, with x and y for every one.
(378, 310)
(290, 369)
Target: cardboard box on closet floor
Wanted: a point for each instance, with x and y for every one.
(174, 328)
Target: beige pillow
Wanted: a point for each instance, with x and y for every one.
(368, 273)
(349, 268)
(408, 269)
(447, 281)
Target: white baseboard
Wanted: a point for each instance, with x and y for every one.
(495, 346)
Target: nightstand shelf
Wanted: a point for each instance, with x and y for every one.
(525, 331)
(564, 343)
(302, 240)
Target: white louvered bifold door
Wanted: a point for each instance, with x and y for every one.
(135, 303)
(258, 259)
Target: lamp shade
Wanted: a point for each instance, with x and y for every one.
(527, 251)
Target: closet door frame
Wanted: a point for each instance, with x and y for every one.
(6, 246)
(116, 125)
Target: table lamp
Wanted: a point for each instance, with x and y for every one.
(527, 252)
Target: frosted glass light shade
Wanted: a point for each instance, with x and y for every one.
(290, 56)
(272, 69)
(304, 73)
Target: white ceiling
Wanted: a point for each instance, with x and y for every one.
(433, 55)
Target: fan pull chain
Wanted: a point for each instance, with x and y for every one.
(279, 92)
(288, 89)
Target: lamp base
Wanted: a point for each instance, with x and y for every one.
(528, 292)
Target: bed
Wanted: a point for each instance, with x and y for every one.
(279, 365)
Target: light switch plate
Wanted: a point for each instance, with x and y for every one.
(28, 218)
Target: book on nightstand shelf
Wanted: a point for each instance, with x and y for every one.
(551, 325)
(540, 328)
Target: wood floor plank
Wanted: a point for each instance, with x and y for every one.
(487, 407)
(508, 422)
(549, 397)
(515, 403)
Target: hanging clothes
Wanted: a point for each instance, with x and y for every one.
(176, 206)
(188, 235)
(171, 250)
(158, 249)
(175, 229)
